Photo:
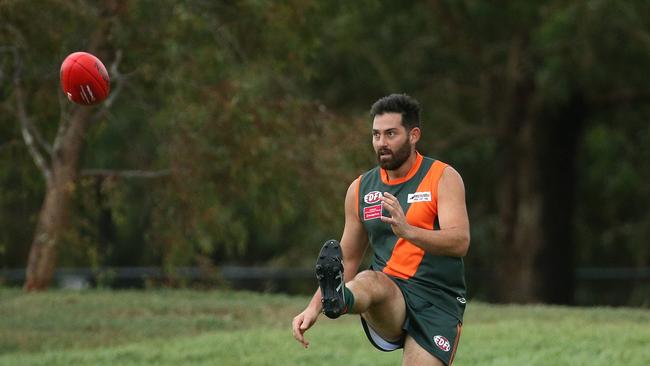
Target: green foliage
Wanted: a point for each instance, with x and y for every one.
(615, 194)
(258, 109)
(205, 97)
(251, 159)
(235, 328)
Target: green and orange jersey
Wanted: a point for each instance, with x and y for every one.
(439, 280)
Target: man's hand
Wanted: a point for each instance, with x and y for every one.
(397, 219)
(302, 322)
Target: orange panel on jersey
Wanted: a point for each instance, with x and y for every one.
(406, 256)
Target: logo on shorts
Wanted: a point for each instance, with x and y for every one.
(442, 343)
(461, 300)
(372, 197)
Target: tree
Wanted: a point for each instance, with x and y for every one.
(260, 111)
(60, 167)
(527, 79)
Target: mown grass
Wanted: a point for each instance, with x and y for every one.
(185, 327)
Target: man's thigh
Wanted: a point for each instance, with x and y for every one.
(415, 355)
(387, 313)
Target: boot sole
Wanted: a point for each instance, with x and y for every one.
(328, 268)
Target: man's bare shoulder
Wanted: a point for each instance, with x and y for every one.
(451, 176)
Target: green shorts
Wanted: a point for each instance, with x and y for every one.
(434, 329)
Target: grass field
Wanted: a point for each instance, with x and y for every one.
(185, 327)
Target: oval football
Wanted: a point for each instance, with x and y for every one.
(84, 79)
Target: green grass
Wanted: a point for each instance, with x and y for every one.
(184, 327)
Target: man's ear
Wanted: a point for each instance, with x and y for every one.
(414, 135)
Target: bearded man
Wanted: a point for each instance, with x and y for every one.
(411, 210)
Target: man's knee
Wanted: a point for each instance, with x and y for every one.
(385, 308)
(376, 284)
(367, 276)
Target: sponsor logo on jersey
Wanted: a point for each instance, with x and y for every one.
(372, 212)
(419, 197)
(372, 197)
(442, 343)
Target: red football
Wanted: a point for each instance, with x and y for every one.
(84, 78)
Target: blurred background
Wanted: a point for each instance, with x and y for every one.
(234, 128)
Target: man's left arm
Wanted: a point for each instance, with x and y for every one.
(453, 237)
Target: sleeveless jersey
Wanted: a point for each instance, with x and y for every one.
(435, 280)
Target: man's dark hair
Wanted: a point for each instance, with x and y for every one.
(408, 107)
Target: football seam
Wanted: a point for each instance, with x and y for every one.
(93, 76)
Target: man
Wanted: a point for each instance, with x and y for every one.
(412, 210)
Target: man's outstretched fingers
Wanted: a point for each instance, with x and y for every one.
(298, 331)
(300, 325)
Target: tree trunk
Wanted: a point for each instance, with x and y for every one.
(518, 193)
(535, 185)
(557, 146)
(520, 210)
(536, 207)
(64, 171)
(52, 220)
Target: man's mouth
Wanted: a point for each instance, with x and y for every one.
(385, 154)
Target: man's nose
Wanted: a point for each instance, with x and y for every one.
(382, 141)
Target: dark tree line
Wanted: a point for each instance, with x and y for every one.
(252, 120)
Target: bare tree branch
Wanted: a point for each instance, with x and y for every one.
(118, 80)
(126, 173)
(64, 119)
(117, 77)
(36, 155)
(18, 68)
(30, 135)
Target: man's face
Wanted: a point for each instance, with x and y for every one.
(390, 140)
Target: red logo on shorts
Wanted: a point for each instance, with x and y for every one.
(442, 343)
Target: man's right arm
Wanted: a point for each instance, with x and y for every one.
(354, 241)
(353, 244)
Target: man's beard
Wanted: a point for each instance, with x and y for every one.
(398, 157)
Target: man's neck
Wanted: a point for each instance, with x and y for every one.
(404, 169)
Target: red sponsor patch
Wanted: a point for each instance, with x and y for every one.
(442, 343)
(372, 212)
